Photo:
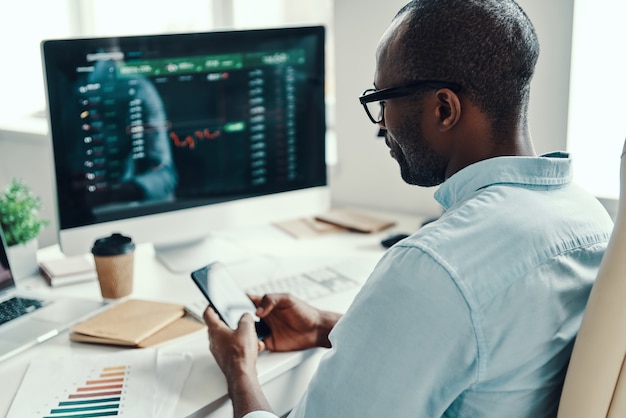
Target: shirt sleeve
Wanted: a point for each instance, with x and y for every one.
(260, 414)
(406, 346)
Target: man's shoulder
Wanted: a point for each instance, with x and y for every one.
(505, 233)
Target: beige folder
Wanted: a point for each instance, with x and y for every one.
(136, 323)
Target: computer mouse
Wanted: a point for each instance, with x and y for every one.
(391, 240)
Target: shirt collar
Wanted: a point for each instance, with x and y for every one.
(546, 171)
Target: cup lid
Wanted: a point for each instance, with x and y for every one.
(115, 244)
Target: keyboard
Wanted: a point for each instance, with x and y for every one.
(309, 285)
(16, 307)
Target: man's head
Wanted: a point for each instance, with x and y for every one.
(487, 47)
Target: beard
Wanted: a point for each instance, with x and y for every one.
(420, 165)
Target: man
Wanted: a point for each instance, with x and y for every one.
(474, 315)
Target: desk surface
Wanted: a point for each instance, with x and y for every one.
(271, 253)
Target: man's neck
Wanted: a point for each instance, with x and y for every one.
(474, 148)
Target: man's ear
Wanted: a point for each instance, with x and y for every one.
(448, 110)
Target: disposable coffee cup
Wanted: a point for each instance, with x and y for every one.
(114, 257)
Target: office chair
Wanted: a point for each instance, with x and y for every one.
(595, 384)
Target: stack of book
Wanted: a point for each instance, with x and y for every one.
(69, 270)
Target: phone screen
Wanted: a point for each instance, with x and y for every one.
(227, 298)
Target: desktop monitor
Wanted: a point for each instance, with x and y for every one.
(167, 138)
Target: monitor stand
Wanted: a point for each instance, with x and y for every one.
(186, 257)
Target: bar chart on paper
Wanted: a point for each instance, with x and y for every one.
(100, 396)
(115, 385)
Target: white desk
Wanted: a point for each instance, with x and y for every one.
(271, 253)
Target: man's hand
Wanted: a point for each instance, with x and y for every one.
(295, 325)
(236, 353)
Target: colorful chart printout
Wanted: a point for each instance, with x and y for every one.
(122, 384)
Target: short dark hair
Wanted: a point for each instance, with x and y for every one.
(489, 47)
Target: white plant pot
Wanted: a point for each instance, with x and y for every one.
(23, 259)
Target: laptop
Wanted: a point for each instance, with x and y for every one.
(34, 319)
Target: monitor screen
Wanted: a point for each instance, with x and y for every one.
(152, 125)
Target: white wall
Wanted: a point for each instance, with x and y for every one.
(366, 174)
(26, 153)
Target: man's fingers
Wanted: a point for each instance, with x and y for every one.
(266, 303)
(246, 323)
(256, 299)
(211, 318)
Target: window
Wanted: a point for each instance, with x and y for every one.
(24, 23)
(597, 110)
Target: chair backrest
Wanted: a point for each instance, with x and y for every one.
(595, 384)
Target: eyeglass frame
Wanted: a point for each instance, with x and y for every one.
(375, 95)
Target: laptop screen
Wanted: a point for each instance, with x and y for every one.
(6, 278)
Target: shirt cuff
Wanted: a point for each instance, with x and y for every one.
(260, 414)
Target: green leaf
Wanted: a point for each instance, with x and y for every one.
(19, 213)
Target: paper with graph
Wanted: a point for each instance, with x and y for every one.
(119, 384)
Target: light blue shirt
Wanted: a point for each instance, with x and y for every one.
(475, 314)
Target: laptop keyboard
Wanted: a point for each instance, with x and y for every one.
(309, 285)
(16, 307)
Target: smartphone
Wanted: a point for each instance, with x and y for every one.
(226, 297)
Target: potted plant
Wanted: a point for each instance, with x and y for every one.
(21, 224)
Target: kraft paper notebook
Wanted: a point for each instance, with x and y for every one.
(355, 220)
(136, 323)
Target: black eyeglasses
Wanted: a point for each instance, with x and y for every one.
(373, 100)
